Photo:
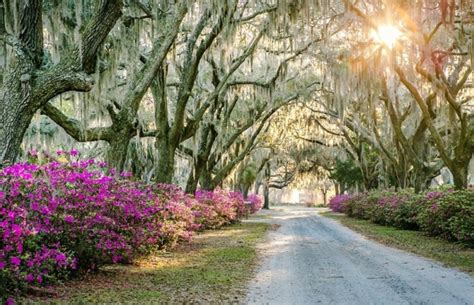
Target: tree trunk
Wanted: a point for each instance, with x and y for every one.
(16, 108)
(205, 181)
(245, 190)
(193, 179)
(191, 183)
(419, 183)
(266, 196)
(206, 141)
(165, 160)
(117, 153)
(423, 178)
(15, 117)
(257, 186)
(164, 169)
(342, 188)
(460, 173)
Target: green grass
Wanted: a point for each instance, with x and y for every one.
(213, 269)
(320, 205)
(260, 216)
(448, 253)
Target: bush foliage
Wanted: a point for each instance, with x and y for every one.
(65, 216)
(446, 214)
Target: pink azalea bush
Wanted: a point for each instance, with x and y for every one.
(447, 214)
(65, 215)
(256, 202)
(218, 208)
(336, 203)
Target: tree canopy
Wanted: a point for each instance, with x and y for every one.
(207, 93)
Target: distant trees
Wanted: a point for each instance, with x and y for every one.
(431, 62)
(402, 108)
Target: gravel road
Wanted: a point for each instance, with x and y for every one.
(311, 259)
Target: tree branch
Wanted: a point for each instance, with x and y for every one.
(256, 13)
(31, 29)
(95, 33)
(74, 128)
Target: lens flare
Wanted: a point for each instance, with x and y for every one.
(386, 34)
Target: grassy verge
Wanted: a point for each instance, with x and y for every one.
(448, 253)
(213, 269)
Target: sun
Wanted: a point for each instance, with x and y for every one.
(386, 34)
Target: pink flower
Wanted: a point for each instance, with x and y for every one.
(16, 230)
(73, 152)
(15, 261)
(29, 278)
(61, 257)
(69, 219)
(33, 153)
(63, 206)
(10, 301)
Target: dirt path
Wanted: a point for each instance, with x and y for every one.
(314, 260)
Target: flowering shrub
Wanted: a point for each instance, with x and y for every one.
(405, 215)
(445, 213)
(256, 202)
(66, 215)
(56, 218)
(449, 215)
(218, 208)
(337, 202)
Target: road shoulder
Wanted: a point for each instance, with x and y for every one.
(448, 253)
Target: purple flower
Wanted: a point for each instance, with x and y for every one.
(73, 152)
(60, 257)
(69, 219)
(115, 219)
(337, 202)
(33, 153)
(29, 278)
(15, 261)
(16, 230)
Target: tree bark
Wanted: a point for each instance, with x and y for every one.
(266, 188)
(205, 180)
(165, 160)
(117, 153)
(206, 141)
(325, 196)
(460, 173)
(29, 86)
(266, 196)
